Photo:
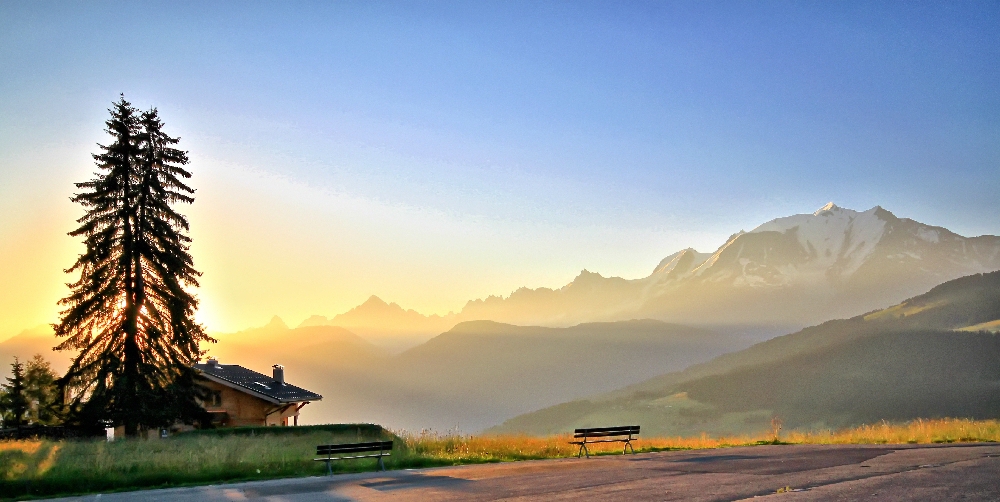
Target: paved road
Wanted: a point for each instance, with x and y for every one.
(813, 472)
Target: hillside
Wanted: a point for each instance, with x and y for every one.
(891, 375)
(915, 359)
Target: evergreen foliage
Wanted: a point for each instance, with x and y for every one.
(13, 399)
(130, 315)
(41, 391)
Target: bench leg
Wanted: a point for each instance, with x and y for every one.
(583, 449)
(381, 465)
(628, 446)
(329, 470)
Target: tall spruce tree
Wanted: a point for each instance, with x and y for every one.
(130, 315)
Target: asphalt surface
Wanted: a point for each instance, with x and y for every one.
(967, 471)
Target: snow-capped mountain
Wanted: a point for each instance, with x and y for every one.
(798, 269)
(839, 247)
(830, 246)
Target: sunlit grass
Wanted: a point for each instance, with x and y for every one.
(461, 448)
(38, 468)
(917, 431)
(79, 466)
(904, 309)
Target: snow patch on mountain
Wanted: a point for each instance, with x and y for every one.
(835, 238)
(680, 263)
(830, 206)
(712, 260)
(929, 235)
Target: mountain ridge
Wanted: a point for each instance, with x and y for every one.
(386, 323)
(794, 270)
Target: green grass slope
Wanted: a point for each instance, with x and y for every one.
(910, 360)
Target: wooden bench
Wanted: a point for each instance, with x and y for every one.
(622, 433)
(384, 448)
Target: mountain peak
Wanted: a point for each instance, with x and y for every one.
(586, 274)
(276, 322)
(374, 301)
(372, 306)
(883, 214)
(829, 207)
(315, 320)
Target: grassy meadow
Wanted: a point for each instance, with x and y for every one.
(36, 468)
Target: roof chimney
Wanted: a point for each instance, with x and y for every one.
(279, 373)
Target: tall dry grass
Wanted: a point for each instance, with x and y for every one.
(947, 430)
(470, 448)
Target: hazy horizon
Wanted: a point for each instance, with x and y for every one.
(432, 154)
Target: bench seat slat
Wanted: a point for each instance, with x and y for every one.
(592, 430)
(600, 441)
(330, 449)
(386, 454)
(371, 444)
(605, 434)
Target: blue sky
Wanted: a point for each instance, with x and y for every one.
(475, 147)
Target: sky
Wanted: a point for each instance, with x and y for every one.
(435, 152)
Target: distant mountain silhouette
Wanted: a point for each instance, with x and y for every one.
(917, 359)
(791, 271)
(387, 324)
(474, 375)
(26, 344)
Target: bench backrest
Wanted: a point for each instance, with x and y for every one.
(334, 449)
(621, 430)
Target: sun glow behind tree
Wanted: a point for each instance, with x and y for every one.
(130, 315)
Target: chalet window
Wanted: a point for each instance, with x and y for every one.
(214, 398)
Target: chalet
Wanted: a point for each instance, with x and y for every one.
(241, 397)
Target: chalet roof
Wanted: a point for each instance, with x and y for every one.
(257, 384)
